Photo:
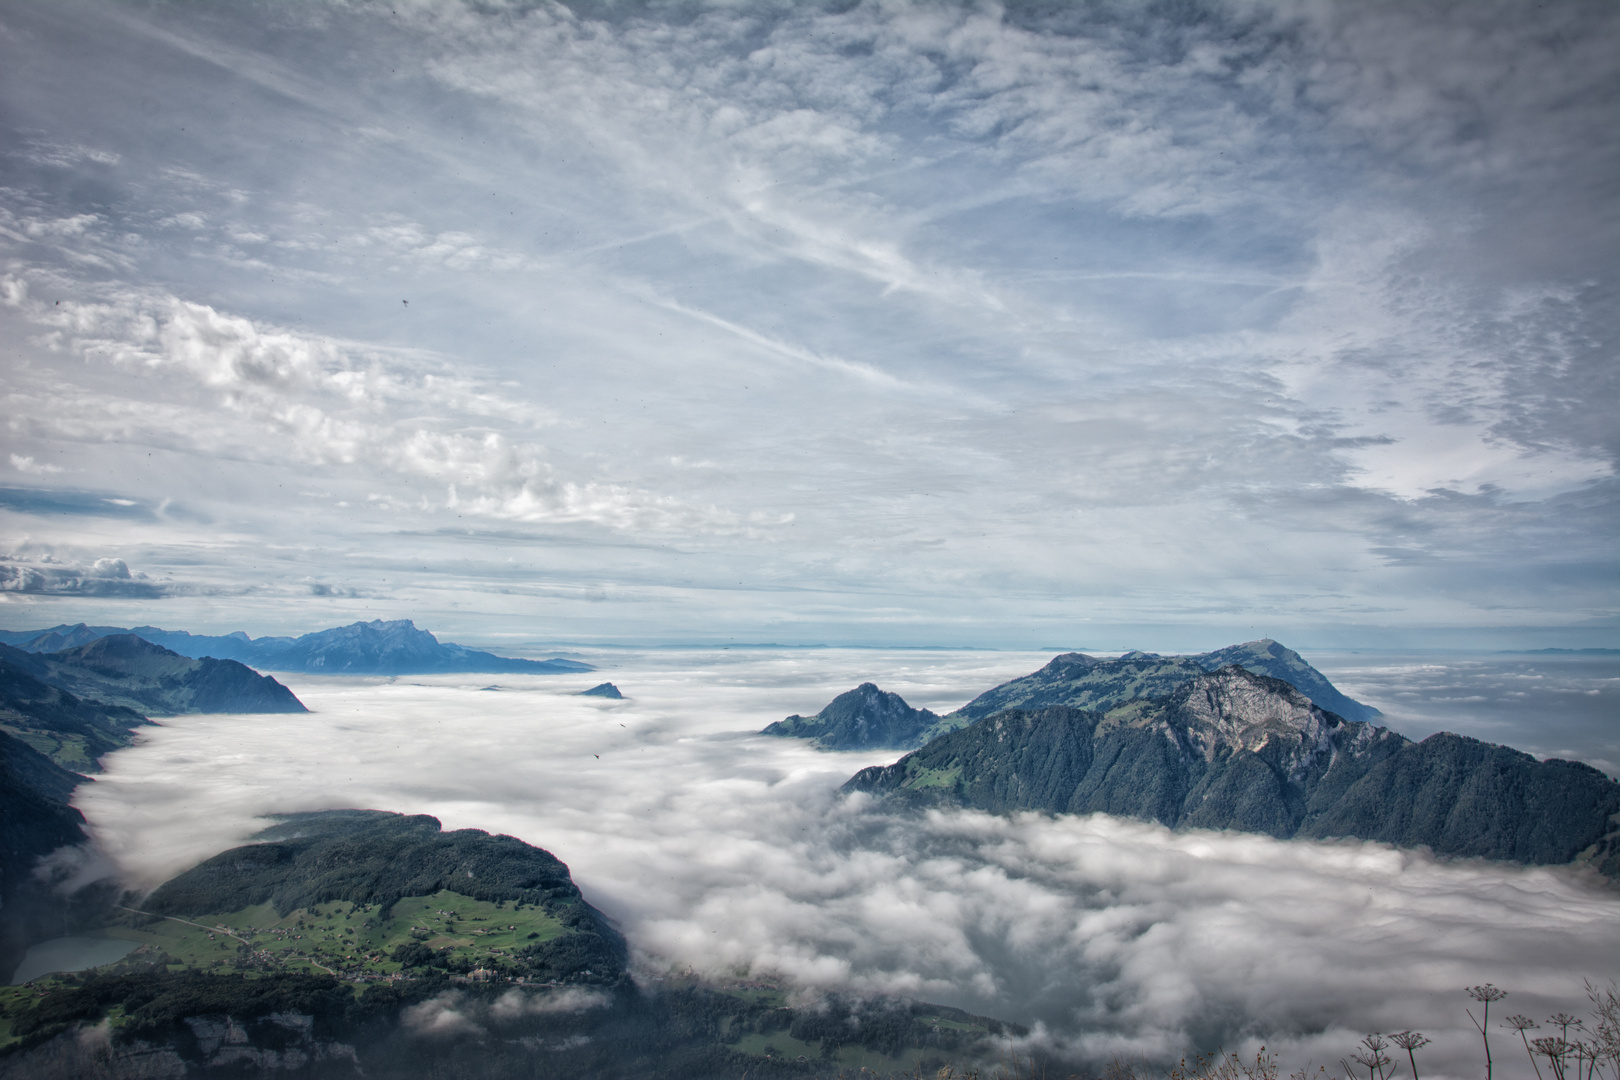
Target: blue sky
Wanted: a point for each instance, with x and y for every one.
(1075, 325)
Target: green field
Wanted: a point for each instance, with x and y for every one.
(68, 750)
(339, 937)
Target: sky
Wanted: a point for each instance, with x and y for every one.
(1164, 325)
(716, 849)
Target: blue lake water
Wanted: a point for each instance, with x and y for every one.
(70, 954)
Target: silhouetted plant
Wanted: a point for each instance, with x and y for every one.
(1605, 1045)
(1485, 995)
(1223, 1066)
(1410, 1041)
(1521, 1024)
(1371, 1057)
(1555, 1050)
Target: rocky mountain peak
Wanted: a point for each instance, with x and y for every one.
(1236, 709)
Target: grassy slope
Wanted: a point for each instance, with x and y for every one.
(350, 939)
(72, 732)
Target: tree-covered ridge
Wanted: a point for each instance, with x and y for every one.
(375, 858)
(1235, 750)
(864, 718)
(128, 671)
(1087, 682)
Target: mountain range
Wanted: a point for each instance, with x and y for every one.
(362, 648)
(868, 718)
(1231, 749)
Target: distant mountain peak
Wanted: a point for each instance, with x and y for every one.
(865, 718)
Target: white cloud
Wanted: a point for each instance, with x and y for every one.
(105, 577)
(1094, 308)
(572, 999)
(441, 1017)
(337, 403)
(728, 853)
(25, 463)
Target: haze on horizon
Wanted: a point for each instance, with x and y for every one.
(885, 323)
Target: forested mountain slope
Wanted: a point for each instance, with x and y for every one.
(1235, 750)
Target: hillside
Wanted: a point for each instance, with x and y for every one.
(1086, 682)
(35, 820)
(72, 732)
(376, 859)
(864, 718)
(1236, 750)
(362, 648)
(48, 739)
(358, 942)
(122, 669)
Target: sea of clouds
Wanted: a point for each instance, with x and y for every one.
(725, 852)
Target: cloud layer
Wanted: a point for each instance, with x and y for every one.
(827, 322)
(728, 852)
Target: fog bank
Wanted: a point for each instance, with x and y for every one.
(726, 852)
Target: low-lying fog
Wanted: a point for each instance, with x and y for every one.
(724, 851)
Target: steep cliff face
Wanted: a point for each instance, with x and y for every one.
(1235, 750)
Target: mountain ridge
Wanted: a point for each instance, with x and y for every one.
(129, 671)
(1089, 682)
(378, 647)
